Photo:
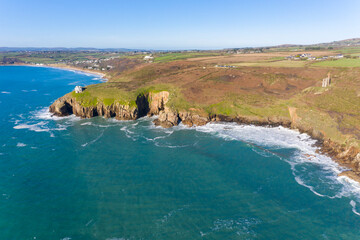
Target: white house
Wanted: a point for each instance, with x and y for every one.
(148, 58)
(339, 56)
(78, 89)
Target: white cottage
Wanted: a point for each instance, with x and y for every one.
(78, 89)
(148, 58)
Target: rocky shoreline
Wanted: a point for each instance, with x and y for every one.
(150, 104)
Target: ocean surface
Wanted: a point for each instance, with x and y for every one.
(71, 178)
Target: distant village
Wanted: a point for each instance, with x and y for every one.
(225, 66)
(309, 57)
(96, 64)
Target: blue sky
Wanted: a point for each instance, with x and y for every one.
(184, 24)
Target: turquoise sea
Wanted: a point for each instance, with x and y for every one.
(71, 178)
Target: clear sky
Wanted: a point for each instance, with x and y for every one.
(180, 24)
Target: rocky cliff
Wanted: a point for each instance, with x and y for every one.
(68, 105)
(146, 104)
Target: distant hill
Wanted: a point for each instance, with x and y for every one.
(80, 49)
(341, 43)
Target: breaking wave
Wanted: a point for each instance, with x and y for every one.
(40, 121)
(317, 172)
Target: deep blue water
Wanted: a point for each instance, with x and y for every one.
(70, 178)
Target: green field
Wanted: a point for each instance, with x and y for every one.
(349, 50)
(344, 62)
(167, 57)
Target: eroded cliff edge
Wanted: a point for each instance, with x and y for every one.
(155, 103)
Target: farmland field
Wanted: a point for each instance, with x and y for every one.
(344, 62)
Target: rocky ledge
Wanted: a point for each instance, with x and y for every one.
(150, 104)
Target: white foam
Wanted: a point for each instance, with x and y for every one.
(5, 92)
(45, 114)
(37, 127)
(86, 124)
(33, 90)
(44, 125)
(299, 181)
(353, 204)
(91, 142)
(305, 160)
(129, 134)
(19, 144)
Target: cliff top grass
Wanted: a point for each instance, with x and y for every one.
(107, 94)
(94, 94)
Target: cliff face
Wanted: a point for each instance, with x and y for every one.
(146, 104)
(66, 105)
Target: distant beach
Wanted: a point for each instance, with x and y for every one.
(64, 67)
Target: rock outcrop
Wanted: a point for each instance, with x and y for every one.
(191, 119)
(167, 118)
(157, 102)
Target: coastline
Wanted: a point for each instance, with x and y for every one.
(102, 75)
(154, 104)
(72, 68)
